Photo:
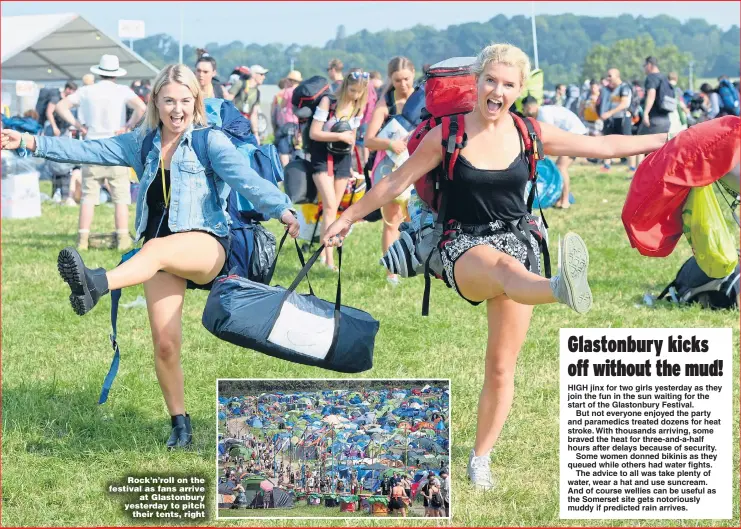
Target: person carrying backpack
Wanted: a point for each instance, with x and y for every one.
(180, 213)
(483, 207)
(656, 110)
(401, 79)
(332, 133)
(46, 106)
(728, 96)
(285, 122)
(437, 503)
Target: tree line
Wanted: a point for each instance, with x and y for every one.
(571, 48)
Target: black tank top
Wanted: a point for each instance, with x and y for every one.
(480, 196)
(155, 196)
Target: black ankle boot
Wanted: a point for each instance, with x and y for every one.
(181, 435)
(87, 286)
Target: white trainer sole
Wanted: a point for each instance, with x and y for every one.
(574, 266)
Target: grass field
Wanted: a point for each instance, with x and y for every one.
(60, 450)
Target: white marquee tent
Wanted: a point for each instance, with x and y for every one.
(49, 48)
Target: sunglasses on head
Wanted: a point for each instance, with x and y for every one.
(359, 75)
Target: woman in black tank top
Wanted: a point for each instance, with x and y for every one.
(401, 79)
(490, 267)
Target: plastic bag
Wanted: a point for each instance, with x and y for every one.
(708, 234)
(13, 164)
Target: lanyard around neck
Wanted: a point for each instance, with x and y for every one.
(165, 194)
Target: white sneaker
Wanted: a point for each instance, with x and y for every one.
(479, 472)
(570, 286)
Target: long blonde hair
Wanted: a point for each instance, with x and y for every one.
(175, 73)
(343, 98)
(504, 54)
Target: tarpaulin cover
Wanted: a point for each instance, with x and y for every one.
(652, 214)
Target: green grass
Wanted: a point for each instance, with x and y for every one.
(60, 450)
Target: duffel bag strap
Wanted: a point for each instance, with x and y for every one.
(305, 271)
(113, 370)
(300, 258)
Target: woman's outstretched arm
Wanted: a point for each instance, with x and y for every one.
(557, 142)
(122, 150)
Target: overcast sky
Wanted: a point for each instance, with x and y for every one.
(316, 22)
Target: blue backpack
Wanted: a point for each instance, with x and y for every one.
(549, 184)
(252, 247)
(728, 95)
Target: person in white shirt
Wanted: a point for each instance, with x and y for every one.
(103, 106)
(564, 119)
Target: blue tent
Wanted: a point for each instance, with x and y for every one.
(254, 422)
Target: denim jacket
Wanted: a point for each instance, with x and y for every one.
(198, 200)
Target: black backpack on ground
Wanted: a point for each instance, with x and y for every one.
(692, 285)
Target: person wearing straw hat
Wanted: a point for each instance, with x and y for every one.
(295, 76)
(103, 106)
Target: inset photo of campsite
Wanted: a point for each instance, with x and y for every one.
(333, 448)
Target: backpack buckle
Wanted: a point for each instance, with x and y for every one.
(452, 136)
(534, 141)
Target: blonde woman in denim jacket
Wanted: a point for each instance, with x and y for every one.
(189, 243)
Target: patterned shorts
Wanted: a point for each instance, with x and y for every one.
(502, 240)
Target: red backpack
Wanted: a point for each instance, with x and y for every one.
(450, 92)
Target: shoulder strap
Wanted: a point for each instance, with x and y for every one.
(115, 298)
(453, 140)
(147, 145)
(529, 129)
(390, 100)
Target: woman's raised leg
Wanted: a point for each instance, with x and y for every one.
(196, 256)
(193, 255)
(484, 273)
